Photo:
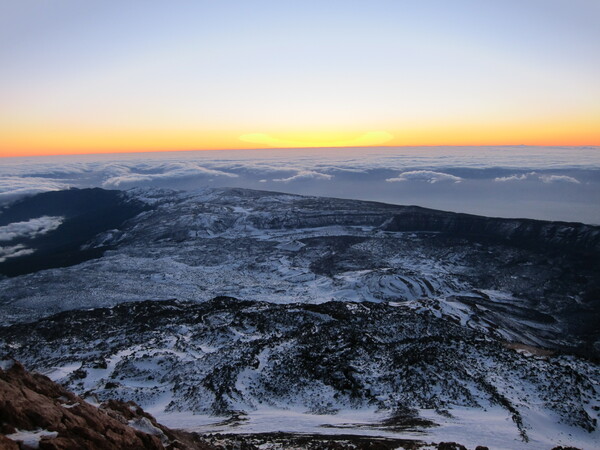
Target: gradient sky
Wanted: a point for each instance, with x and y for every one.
(106, 76)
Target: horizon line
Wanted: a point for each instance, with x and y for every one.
(83, 153)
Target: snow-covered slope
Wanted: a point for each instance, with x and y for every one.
(283, 249)
(403, 319)
(364, 367)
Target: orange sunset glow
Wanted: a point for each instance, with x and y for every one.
(50, 142)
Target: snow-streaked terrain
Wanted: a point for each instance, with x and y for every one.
(282, 248)
(332, 316)
(337, 367)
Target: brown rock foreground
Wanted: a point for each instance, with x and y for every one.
(32, 405)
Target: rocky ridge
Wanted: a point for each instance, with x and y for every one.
(38, 413)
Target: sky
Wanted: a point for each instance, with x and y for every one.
(113, 76)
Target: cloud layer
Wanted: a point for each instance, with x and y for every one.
(30, 228)
(544, 183)
(558, 179)
(304, 175)
(428, 176)
(144, 173)
(544, 178)
(13, 252)
(12, 187)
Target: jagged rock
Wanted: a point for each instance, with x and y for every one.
(8, 444)
(34, 407)
(450, 446)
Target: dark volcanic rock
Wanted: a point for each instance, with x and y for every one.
(450, 446)
(31, 402)
(521, 232)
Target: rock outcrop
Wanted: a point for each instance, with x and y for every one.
(38, 413)
(520, 232)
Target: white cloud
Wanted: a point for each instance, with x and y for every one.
(141, 173)
(559, 179)
(305, 175)
(30, 228)
(14, 251)
(542, 178)
(15, 186)
(428, 176)
(515, 177)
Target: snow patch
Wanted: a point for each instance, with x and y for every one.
(31, 438)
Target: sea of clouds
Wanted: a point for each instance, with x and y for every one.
(557, 183)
